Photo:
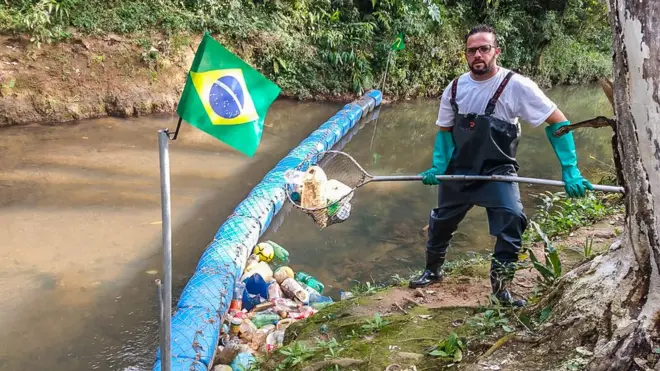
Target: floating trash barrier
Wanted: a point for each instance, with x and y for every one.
(232, 268)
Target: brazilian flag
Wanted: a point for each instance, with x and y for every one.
(225, 97)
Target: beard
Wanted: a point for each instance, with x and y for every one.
(487, 67)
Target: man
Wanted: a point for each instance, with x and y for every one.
(478, 135)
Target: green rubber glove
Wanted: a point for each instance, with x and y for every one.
(564, 147)
(442, 151)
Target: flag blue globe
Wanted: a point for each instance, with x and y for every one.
(227, 97)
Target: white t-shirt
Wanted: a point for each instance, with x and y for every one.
(521, 98)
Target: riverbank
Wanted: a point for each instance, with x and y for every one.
(90, 77)
(453, 324)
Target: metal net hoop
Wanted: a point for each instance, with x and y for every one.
(337, 166)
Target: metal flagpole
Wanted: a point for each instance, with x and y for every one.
(166, 288)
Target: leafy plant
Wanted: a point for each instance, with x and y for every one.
(374, 325)
(551, 270)
(489, 321)
(295, 353)
(450, 348)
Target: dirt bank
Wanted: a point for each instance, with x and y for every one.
(397, 328)
(90, 77)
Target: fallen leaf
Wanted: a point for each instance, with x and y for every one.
(153, 271)
(425, 316)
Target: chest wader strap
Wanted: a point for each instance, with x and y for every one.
(490, 108)
(454, 106)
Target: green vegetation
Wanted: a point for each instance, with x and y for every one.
(334, 47)
(557, 215)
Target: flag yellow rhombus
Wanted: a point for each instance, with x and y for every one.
(225, 96)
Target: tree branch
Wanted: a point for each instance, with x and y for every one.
(597, 122)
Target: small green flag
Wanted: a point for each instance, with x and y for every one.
(225, 97)
(398, 43)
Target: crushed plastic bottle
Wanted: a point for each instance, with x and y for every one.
(293, 289)
(274, 291)
(262, 319)
(283, 273)
(237, 299)
(281, 254)
(274, 340)
(259, 337)
(310, 281)
(303, 312)
(285, 304)
(242, 361)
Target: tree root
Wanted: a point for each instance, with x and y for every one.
(341, 362)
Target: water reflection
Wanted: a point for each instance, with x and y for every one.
(384, 235)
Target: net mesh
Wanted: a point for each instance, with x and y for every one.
(326, 198)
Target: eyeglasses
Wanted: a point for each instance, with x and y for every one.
(483, 49)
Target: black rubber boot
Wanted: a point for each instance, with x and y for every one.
(501, 276)
(432, 272)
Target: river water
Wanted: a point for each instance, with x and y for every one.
(80, 222)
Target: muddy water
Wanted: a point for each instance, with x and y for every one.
(384, 235)
(80, 213)
(80, 230)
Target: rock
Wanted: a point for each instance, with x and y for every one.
(419, 293)
(605, 234)
(584, 351)
(615, 245)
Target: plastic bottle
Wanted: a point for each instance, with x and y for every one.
(303, 312)
(242, 361)
(274, 291)
(274, 340)
(281, 254)
(283, 273)
(237, 299)
(292, 289)
(247, 328)
(284, 304)
(310, 281)
(265, 318)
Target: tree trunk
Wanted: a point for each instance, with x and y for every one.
(617, 301)
(611, 305)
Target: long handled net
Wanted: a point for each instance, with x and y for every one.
(323, 185)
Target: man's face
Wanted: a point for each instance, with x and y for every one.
(481, 53)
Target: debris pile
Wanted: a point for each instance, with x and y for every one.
(328, 199)
(264, 304)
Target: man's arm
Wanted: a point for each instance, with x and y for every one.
(556, 116)
(444, 128)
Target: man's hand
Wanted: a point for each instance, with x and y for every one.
(575, 182)
(564, 147)
(428, 177)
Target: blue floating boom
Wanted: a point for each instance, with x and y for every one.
(197, 319)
